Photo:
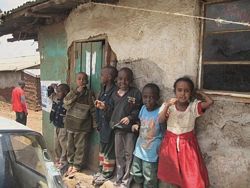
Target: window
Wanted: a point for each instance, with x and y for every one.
(226, 48)
(28, 152)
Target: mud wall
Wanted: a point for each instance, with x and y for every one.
(160, 48)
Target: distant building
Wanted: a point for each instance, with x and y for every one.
(21, 68)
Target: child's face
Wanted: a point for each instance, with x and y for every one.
(60, 94)
(123, 80)
(183, 92)
(105, 76)
(81, 80)
(149, 98)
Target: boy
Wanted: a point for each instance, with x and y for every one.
(144, 166)
(80, 120)
(126, 104)
(107, 140)
(57, 116)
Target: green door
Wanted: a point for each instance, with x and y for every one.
(89, 59)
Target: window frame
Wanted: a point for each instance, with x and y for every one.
(235, 96)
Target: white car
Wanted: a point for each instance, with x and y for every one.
(24, 160)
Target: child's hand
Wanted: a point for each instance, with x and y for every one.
(171, 102)
(199, 94)
(54, 86)
(206, 100)
(80, 89)
(125, 121)
(135, 128)
(100, 105)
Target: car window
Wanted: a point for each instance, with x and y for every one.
(28, 152)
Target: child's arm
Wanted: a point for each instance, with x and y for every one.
(206, 102)
(92, 108)
(70, 98)
(163, 116)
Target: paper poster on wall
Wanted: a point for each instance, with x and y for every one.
(46, 102)
(88, 54)
(93, 62)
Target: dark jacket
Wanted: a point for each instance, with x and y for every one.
(81, 115)
(104, 116)
(126, 106)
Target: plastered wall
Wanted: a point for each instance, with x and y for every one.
(160, 48)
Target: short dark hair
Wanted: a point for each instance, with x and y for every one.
(185, 79)
(83, 73)
(129, 72)
(65, 88)
(21, 83)
(112, 71)
(155, 88)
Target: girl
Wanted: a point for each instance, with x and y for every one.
(180, 160)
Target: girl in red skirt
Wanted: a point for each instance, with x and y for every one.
(180, 160)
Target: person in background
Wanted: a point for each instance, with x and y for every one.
(57, 116)
(19, 105)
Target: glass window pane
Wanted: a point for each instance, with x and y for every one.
(237, 11)
(28, 152)
(226, 77)
(227, 47)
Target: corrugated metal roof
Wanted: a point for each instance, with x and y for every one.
(25, 5)
(24, 21)
(19, 63)
(33, 72)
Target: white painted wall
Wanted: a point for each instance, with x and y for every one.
(161, 48)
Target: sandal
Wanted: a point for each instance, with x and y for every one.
(73, 172)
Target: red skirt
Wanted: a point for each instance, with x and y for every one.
(180, 161)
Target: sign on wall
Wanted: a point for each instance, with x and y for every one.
(46, 101)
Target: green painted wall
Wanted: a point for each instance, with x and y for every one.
(54, 65)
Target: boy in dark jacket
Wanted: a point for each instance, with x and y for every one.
(80, 121)
(57, 116)
(126, 103)
(107, 138)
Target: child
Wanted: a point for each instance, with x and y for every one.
(144, 166)
(79, 121)
(180, 159)
(107, 139)
(125, 104)
(57, 115)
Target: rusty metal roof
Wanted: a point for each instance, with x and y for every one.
(24, 21)
(19, 63)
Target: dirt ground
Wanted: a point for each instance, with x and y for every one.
(34, 119)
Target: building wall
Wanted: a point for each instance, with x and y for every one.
(54, 65)
(8, 80)
(160, 48)
(32, 92)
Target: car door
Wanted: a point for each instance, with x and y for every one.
(27, 160)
